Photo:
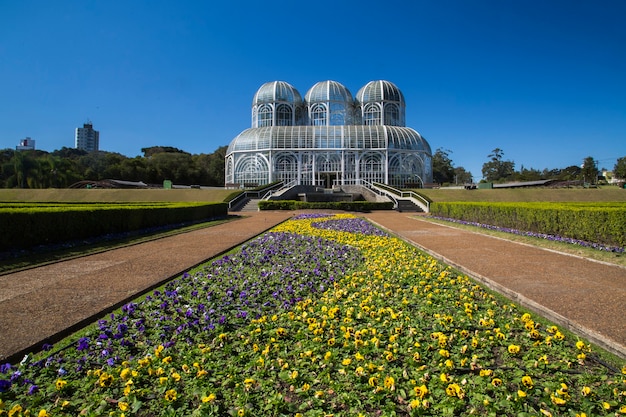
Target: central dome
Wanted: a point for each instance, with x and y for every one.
(325, 91)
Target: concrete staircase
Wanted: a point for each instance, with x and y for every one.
(408, 205)
(251, 205)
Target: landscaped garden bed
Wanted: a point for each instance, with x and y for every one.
(323, 315)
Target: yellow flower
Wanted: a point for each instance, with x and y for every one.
(209, 398)
(606, 405)
(241, 412)
(580, 345)
(581, 414)
(373, 381)
(248, 382)
(514, 349)
(557, 400)
(123, 405)
(170, 395)
(496, 382)
(176, 376)
(585, 391)
(485, 372)
(163, 380)
(454, 390)
(444, 377)
(527, 381)
(167, 359)
(158, 350)
(125, 374)
(521, 394)
(346, 362)
(15, 410)
(294, 375)
(43, 413)
(306, 387)
(60, 384)
(420, 391)
(389, 383)
(444, 353)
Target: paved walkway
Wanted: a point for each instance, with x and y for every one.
(46, 303)
(584, 296)
(43, 304)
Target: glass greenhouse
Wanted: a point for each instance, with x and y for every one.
(329, 138)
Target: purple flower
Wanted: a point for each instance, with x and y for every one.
(4, 385)
(83, 343)
(33, 389)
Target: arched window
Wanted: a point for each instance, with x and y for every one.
(265, 116)
(371, 115)
(392, 115)
(319, 115)
(284, 115)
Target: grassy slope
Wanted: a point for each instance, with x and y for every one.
(526, 194)
(100, 195)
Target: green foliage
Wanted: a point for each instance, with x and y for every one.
(360, 206)
(443, 171)
(62, 168)
(589, 170)
(497, 169)
(619, 170)
(30, 225)
(593, 222)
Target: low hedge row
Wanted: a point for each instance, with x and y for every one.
(593, 222)
(337, 205)
(28, 227)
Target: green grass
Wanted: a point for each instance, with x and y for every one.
(526, 194)
(108, 195)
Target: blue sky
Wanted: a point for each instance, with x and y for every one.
(545, 81)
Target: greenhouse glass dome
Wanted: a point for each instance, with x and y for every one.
(329, 138)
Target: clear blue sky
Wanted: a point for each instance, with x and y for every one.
(545, 81)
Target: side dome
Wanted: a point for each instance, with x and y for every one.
(277, 91)
(377, 91)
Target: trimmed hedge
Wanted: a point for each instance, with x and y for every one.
(29, 226)
(592, 222)
(336, 205)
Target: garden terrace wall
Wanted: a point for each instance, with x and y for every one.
(26, 226)
(360, 206)
(593, 222)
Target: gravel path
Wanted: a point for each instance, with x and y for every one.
(44, 304)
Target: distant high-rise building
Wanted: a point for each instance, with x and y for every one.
(87, 138)
(26, 144)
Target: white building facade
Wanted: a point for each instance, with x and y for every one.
(329, 138)
(86, 138)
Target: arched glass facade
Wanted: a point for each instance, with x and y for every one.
(329, 138)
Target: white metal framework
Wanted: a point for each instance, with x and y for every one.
(329, 138)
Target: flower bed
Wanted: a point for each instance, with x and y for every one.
(316, 318)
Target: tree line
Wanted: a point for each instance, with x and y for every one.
(499, 170)
(66, 166)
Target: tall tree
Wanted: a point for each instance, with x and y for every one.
(619, 170)
(497, 169)
(443, 171)
(462, 176)
(589, 170)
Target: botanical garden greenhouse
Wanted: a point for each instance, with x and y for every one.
(329, 139)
